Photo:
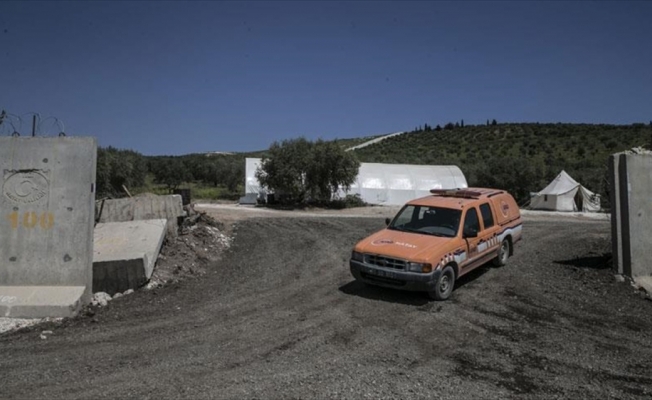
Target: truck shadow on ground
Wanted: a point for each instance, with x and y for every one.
(470, 278)
(603, 261)
(371, 292)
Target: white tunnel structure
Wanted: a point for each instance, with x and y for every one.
(382, 184)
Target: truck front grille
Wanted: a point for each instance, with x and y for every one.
(383, 261)
(380, 279)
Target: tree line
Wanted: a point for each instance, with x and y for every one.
(447, 126)
(118, 169)
(297, 171)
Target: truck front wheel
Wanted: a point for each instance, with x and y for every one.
(444, 286)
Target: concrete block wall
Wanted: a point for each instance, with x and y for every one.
(142, 208)
(631, 217)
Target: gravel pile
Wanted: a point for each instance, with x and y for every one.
(201, 243)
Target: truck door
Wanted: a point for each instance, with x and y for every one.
(471, 233)
(489, 234)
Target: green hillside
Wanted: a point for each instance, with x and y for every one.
(521, 158)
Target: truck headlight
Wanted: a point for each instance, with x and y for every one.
(419, 267)
(356, 256)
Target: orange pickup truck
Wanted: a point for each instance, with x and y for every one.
(436, 239)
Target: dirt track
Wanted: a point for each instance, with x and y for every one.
(280, 316)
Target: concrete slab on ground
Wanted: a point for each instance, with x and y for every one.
(125, 254)
(40, 301)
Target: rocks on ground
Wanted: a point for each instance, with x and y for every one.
(102, 299)
(12, 324)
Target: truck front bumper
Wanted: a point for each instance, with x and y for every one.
(392, 278)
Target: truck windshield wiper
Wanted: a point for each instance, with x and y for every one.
(437, 234)
(403, 229)
(412, 230)
(429, 233)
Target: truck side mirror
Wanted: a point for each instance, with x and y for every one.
(387, 221)
(470, 233)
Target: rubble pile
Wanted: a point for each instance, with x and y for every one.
(200, 242)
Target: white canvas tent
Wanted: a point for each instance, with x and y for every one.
(395, 184)
(387, 184)
(565, 194)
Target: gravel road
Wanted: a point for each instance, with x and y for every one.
(280, 316)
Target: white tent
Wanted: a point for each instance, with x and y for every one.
(395, 184)
(565, 194)
(387, 184)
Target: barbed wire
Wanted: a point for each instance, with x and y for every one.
(9, 121)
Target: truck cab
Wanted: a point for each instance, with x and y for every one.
(434, 240)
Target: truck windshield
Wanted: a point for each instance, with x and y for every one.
(427, 220)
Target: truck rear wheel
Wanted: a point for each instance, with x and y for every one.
(444, 286)
(503, 253)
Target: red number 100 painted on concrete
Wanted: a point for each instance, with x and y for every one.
(31, 219)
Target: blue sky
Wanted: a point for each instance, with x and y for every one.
(183, 77)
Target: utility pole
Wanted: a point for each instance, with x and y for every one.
(34, 125)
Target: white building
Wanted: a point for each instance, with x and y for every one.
(384, 184)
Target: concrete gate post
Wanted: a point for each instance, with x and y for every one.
(47, 199)
(616, 219)
(632, 220)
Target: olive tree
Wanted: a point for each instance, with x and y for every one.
(330, 168)
(116, 168)
(303, 170)
(170, 171)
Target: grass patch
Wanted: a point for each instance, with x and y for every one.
(198, 190)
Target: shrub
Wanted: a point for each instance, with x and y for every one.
(354, 200)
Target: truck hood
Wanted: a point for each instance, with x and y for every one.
(406, 245)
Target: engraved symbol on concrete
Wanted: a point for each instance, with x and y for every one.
(25, 187)
(8, 299)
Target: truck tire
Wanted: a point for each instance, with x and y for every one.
(503, 253)
(444, 286)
